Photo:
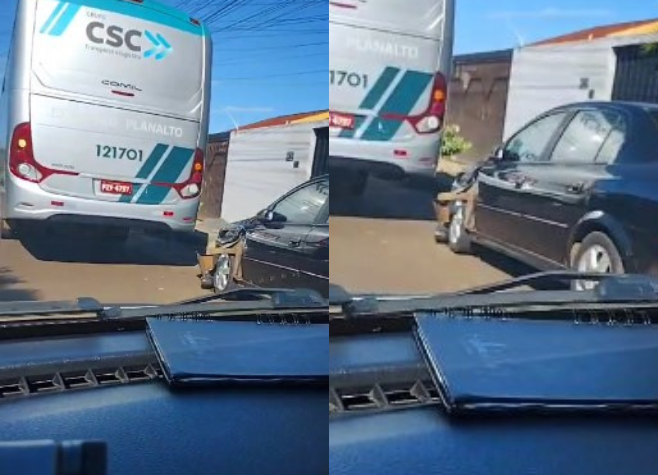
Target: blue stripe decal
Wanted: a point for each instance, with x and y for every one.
(379, 88)
(371, 99)
(58, 9)
(152, 161)
(349, 133)
(169, 172)
(128, 198)
(144, 12)
(65, 20)
(401, 102)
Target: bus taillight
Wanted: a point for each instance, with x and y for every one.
(432, 120)
(192, 187)
(21, 157)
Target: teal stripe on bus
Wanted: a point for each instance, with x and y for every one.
(65, 20)
(151, 162)
(401, 102)
(146, 170)
(169, 172)
(53, 16)
(349, 133)
(380, 87)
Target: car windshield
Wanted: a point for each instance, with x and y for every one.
(135, 158)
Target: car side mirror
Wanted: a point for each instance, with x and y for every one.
(498, 154)
(269, 216)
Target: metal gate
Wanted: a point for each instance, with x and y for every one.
(635, 77)
(321, 155)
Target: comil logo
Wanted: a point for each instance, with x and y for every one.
(108, 38)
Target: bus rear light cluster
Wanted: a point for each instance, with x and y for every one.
(190, 188)
(22, 163)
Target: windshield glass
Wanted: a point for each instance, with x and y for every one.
(534, 166)
(159, 151)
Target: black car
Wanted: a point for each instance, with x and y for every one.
(286, 244)
(575, 188)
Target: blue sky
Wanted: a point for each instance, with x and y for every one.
(498, 24)
(263, 68)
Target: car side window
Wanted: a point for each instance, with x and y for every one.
(305, 205)
(613, 144)
(584, 137)
(530, 143)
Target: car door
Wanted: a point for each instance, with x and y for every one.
(314, 270)
(275, 250)
(501, 202)
(555, 193)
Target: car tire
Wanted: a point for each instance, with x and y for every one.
(458, 239)
(222, 274)
(441, 234)
(6, 231)
(596, 253)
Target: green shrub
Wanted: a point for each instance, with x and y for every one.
(453, 144)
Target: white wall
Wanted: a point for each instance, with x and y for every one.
(543, 77)
(257, 172)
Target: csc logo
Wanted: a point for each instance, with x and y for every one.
(114, 36)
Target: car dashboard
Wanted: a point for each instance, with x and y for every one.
(111, 387)
(388, 414)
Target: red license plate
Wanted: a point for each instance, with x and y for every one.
(116, 188)
(344, 121)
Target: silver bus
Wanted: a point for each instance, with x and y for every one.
(104, 116)
(389, 64)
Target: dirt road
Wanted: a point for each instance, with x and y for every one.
(146, 270)
(384, 242)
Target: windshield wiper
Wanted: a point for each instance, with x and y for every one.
(81, 306)
(279, 297)
(622, 289)
(241, 304)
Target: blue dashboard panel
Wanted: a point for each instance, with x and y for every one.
(151, 428)
(428, 440)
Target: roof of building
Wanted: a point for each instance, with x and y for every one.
(286, 119)
(617, 29)
(484, 57)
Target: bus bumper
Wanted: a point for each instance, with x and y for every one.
(385, 159)
(25, 201)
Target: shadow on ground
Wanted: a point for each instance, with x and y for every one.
(8, 294)
(396, 200)
(139, 249)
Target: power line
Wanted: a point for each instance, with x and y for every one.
(281, 75)
(267, 48)
(276, 58)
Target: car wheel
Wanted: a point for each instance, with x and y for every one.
(222, 275)
(596, 253)
(458, 238)
(441, 234)
(6, 232)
